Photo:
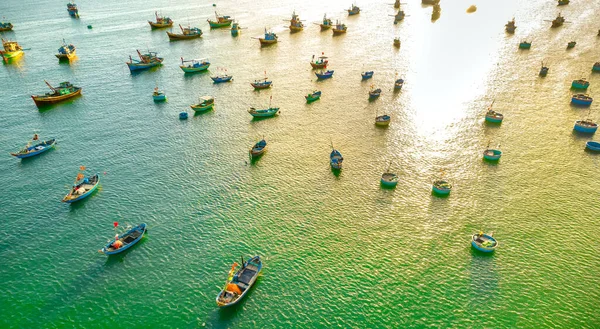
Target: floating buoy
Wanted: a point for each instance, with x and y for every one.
(472, 9)
(89, 27)
(183, 115)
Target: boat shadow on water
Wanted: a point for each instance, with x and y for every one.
(336, 172)
(192, 75)
(137, 73)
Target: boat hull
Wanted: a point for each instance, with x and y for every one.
(188, 69)
(220, 80)
(84, 195)
(441, 191)
(65, 56)
(581, 101)
(261, 85)
(296, 28)
(200, 109)
(266, 42)
(495, 156)
(576, 85)
(387, 183)
(154, 25)
(312, 98)
(324, 76)
(336, 31)
(12, 54)
(585, 130)
(141, 228)
(47, 100)
(596, 68)
(265, 114)
(318, 65)
(159, 98)
(593, 146)
(493, 119)
(49, 145)
(6, 29)
(216, 25)
(140, 67)
(176, 37)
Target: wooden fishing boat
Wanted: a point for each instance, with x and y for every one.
(510, 27)
(320, 63)
(82, 188)
(399, 16)
(269, 39)
(262, 84)
(563, 2)
(582, 99)
(593, 146)
(12, 50)
(258, 149)
(484, 242)
(161, 22)
(492, 154)
(397, 42)
(263, 113)
(186, 33)
(544, 70)
(558, 21)
(124, 241)
(29, 150)
(492, 116)
(524, 45)
(585, 126)
(239, 282)
(72, 10)
(580, 84)
(441, 187)
(354, 10)
(339, 28)
(398, 84)
(5, 26)
(221, 78)
(596, 67)
(367, 75)
(311, 97)
(571, 44)
(374, 93)
(65, 52)
(324, 75)
(195, 65)
(158, 96)
(383, 120)
(65, 90)
(222, 21)
(335, 159)
(205, 103)
(326, 23)
(183, 115)
(295, 23)
(145, 62)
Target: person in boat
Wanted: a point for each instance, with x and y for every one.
(118, 243)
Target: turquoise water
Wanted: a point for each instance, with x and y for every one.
(338, 250)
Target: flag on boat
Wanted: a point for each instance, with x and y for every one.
(115, 224)
(80, 176)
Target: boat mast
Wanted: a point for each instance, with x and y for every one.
(53, 89)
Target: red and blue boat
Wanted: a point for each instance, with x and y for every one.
(82, 188)
(145, 62)
(33, 150)
(124, 241)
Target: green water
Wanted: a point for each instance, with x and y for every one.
(338, 250)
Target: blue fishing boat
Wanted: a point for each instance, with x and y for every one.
(335, 159)
(313, 96)
(441, 187)
(205, 103)
(324, 75)
(580, 84)
(484, 242)
(235, 29)
(582, 99)
(492, 155)
(124, 241)
(261, 84)
(65, 52)
(585, 126)
(82, 188)
(29, 150)
(398, 84)
(239, 282)
(195, 65)
(593, 146)
(183, 115)
(367, 75)
(374, 93)
(221, 78)
(492, 116)
(72, 10)
(258, 149)
(389, 179)
(158, 96)
(263, 113)
(596, 66)
(145, 62)
(5, 26)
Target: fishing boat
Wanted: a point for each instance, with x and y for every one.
(326, 23)
(263, 113)
(397, 4)
(65, 90)
(571, 44)
(510, 27)
(374, 93)
(586, 126)
(354, 10)
(5, 26)
(335, 159)
(563, 2)
(261, 84)
(544, 70)
(397, 42)
(205, 103)
(484, 242)
(194, 65)
(367, 75)
(493, 116)
(222, 21)
(430, 2)
(558, 21)
(580, 84)
(399, 16)
(183, 115)
(12, 50)
(72, 10)
(492, 154)
(161, 22)
(239, 282)
(145, 62)
(223, 77)
(311, 97)
(320, 63)
(235, 28)
(82, 188)
(582, 99)
(398, 84)
(258, 149)
(383, 120)
(524, 45)
(124, 241)
(33, 150)
(596, 67)
(389, 179)
(186, 33)
(65, 52)
(321, 75)
(593, 146)
(269, 39)
(441, 187)
(339, 28)
(158, 96)
(295, 23)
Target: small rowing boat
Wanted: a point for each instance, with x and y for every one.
(29, 150)
(262, 83)
(484, 242)
(183, 115)
(258, 149)
(524, 45)
(161, 22)
(222, 21)
(580, 84)
(82, 188)
(65, 90)
(186, 33)
(582, 99)
(571, 44)
(145, 62)
(593, 146)
(544, 70)
(72, 10)
(295, 23)
(354, 10)
(383, 120)
(195, 65)
(492, 154)
(205, 103)
(124, 241)
(239, 282)
(510, 27)
(493, 116)
(235, 28)
(12, 50)
(335, 159)
(339, 28)
(321, 75)
(311, 97)
(596, 67)
(158, 96)
(367, 75)
(374, 93)
(441, 187)
(269, 39)
(398, 84)
(320, 63)
(65, 52)
(389, 179)
(5, 26)
(586, 126)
